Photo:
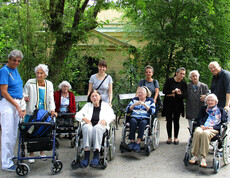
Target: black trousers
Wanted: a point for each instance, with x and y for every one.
(173, 117)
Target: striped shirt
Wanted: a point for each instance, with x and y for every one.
(139, 111)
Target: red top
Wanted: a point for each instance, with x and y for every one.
(72, 104)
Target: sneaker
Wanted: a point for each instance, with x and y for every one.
(193, 160)
(203, 162)
(43, 157)
(131, 145)
(10, 169)
(137, 148)
(31, 161)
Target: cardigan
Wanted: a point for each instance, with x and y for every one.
(57, 99)
(203, 116)
(193, 102)
(30, 90)
(106, 113)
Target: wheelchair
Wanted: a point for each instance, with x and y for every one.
(151, 136)
(34, 144)
(107, 152)
(220, 144)
(66, 125)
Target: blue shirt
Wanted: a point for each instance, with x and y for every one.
(12, 78)
(41, 98)
(139, 111)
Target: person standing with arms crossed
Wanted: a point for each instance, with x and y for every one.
(12, 107)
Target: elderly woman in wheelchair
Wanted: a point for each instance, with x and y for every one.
(95, 118)
(141, 107)
(208, 124)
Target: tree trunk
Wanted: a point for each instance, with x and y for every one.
(60, 52)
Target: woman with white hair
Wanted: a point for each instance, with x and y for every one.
(196, 93)
(64, 99)
(38, 94)
(208, 123)
(141, 107)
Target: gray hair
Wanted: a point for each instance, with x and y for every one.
(213, 96)
(179, 69)
(43, 67)
(64, 83)
(193, 71)
(214, 63)
(149, 67)
(15, 53)
(148, 92)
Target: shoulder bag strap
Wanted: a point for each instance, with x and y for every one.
(102, 82)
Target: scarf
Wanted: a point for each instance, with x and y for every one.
(214, 116)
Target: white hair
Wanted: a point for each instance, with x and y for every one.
(43, 67)
(193, 71)
(213, 96)
(64, 83)
(214, 63)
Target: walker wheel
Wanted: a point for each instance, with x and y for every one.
(22, 169)
(56, 167)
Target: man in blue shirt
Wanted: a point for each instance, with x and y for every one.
(12, 107)
(220, 84)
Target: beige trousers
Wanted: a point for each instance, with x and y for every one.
(201, 140)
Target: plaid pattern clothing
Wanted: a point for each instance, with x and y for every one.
(139, 111)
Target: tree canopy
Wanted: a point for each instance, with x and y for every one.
(188, 33)
(46, 30)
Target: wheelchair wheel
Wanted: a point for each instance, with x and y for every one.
(147, 150)
(79, 152)
(187, 155)
(111, 143)
(186, 159)
(56, 167)
(124, 140)
(155, 135)
(216, 157)
(73, 142)
(75, 164)
(105, 150)
(216, 165)
(226, 148)
(22, 169)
